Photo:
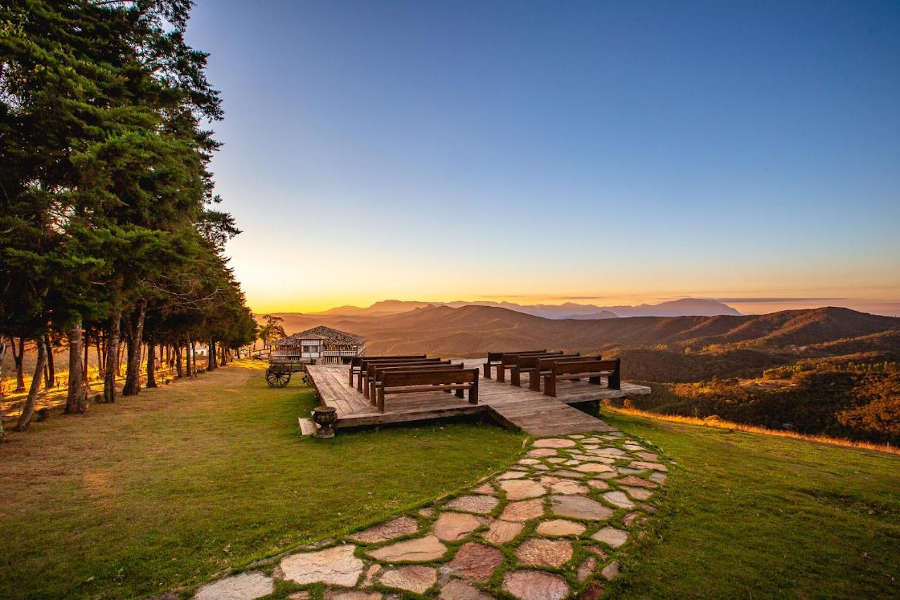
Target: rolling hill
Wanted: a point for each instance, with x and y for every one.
(472, 330)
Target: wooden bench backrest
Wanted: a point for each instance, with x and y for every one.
(510, 359)
(397, 361)
(431, 377)
(377, 370)
(357, 360)
(585, 366)
(495, 356)
(547, 362)
(532, 361)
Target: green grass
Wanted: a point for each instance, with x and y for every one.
(168, 488)
(755, 516)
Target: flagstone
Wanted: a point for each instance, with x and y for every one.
(630, 518)
(474, 504)
(304, 595)
(541, 452)
(598, 484)
(522, 489)
(535, 585)
(610, 571)
(609, 475)
(638, 493)
(628, 471)
(595, 550)
(610, 451)
(631, 480)
(344, 595)
(541, 467)
(594, 468)
(647, 456)
(611, 536)
(592, 591)
(476, 562)
(529, 461)
(558, 527)
(485, 489)
(422, 549)
(452, 526)
(501, 532)
(386, 531)
(579, 507)
(658, 477)
(460, 590)
(334, 566)
(553, 443)
(511, 475)
(567, 486)
(426, 512)
(649, 465)
(576, 436)
(567, 473)
(372, 574)
(586, 569)
(523, 510)
(245, 586)
(619, 499)
(415, 578)
(540, 552)
(555, 459)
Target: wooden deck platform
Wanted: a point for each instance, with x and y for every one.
(509, 405)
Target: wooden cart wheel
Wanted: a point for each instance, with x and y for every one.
(277, 378)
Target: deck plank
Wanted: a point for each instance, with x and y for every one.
(513, 406)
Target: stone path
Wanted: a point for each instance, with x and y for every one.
(548, 528)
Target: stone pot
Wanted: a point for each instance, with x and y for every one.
(324, 417)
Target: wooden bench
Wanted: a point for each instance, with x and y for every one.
(509, 361)
(543, 368)
(374, 369)
(494, 358)
(529, 364)
(365, 362)
(376, 381)
(356, 362)
(574, 370)
(408, 382)
(363, 378)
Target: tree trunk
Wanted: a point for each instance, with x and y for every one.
(100, 355)
(111, 364)
(51, 367)
(151, 366)
(193, 358)
(3, 347)
(28, 409)
(211, 355)
(76, 399)
(188, 369)
(133, 373)
(178, 372)
(17, 358)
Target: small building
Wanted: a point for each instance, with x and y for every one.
(319, 345)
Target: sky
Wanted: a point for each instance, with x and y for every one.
(595, 152)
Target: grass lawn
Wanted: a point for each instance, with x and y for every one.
(172, 486)
(755, 516)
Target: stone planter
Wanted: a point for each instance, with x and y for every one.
(324, 417)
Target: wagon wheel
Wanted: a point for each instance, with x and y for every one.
(277, 378)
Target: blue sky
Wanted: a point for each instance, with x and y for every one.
(625, 152)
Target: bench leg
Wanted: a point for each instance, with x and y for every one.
(516, 377)
(359, 382)
(614, 381)
(459, 393)
(351, 376)
(501, 373)
(594, 380)
(487, 370)
(380, 396)
(473, 393)
(534, 381)
(550, 385)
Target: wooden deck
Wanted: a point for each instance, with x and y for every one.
(509, 405)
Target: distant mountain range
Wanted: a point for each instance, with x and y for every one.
(472, 330)
(674, 308)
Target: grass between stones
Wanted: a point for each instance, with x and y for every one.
(168, 488)
(754, 516)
